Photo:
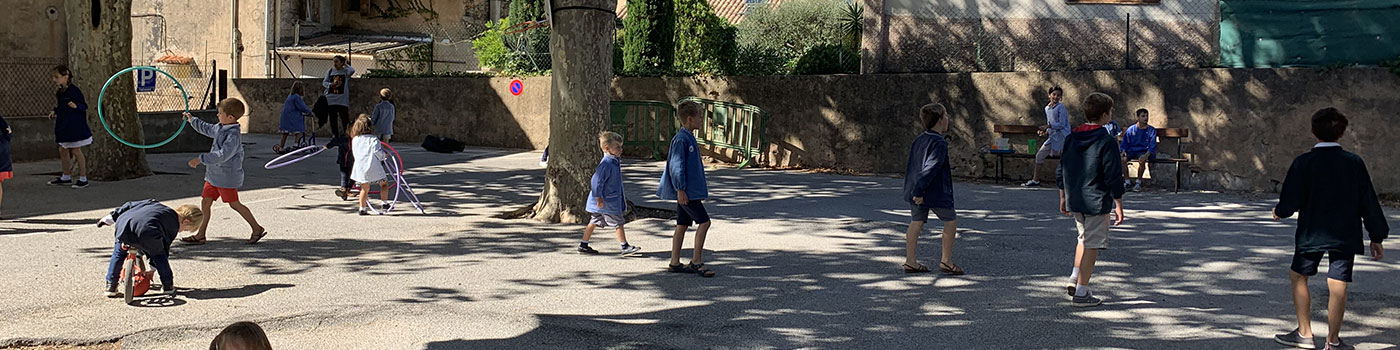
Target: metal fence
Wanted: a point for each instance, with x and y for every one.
(167, 96)
(449, 50)
(1050, 36)
(28, 87)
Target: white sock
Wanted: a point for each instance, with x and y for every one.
(65, 177)
(1074, 276)
(1081, 290)
(83, 179)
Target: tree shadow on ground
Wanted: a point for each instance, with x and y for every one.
(231, 293)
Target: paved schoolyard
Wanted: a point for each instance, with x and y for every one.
(804, 261)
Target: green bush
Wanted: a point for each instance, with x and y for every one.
(530, 48)
(649, 44)
(397, 73)
(828, 59)
(491, 49)
(795, 26)
(757, 60)
(705, 43)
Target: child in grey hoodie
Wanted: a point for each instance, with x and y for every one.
(223, 168)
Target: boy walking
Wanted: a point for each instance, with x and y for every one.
(683, 181)
(223, 168)
(928, 186)
(1332, 193)
(1140, 144)
(1090, 177)
(606, 201)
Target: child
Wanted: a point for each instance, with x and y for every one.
(1140, 144)
(70, 128)
(293, 122)
(6, 168)
(683, 180)
(150, 227)
(223, 168)
(367, 154)
(1055, 132)
(1331, 190)
(383, 118)
(241, 336)
(344, 162)
(606, 198)
(1091, 185)
(928, 185)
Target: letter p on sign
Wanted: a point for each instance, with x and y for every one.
(145, 80)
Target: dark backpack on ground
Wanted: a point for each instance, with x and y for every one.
(442, 144)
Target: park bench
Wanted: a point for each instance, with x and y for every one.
(651, 124)
(1163, 134)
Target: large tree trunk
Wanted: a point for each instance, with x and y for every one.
(581, 47)
(99, 45)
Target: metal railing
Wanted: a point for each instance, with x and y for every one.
(646, 125)
(735, 126)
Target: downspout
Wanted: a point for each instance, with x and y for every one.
(235, 50)
(268, 17)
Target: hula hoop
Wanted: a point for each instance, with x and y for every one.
(103, 119)
(392, 184)
(314, 151)
(402, 186)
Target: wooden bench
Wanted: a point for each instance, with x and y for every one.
(1163, 134)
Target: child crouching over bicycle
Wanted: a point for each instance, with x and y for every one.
(150, 227)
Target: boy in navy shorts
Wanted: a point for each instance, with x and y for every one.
(683, 181)
(928, 186)
(1331, 191)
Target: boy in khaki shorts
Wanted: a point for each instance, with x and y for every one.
(1090, 177)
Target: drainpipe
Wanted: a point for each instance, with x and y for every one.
(235, 51)
(269, 15)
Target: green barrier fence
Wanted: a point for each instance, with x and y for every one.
(644, 124)
(735, 126)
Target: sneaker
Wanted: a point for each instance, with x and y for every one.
(1088, 300)
(1295, 340)
(1137, 187)
(80, 184)
(1031, 183)
(168, 290)
(340, 192)
(630, 250)
(1340, 345)
(583, 249)
(1127, 183)
(111, 291)
(363, 212)
(1071, 289)
(60, 182)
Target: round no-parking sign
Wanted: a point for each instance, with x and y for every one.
(516, 87)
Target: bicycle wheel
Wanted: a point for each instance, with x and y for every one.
(129, 280)
(294, 156)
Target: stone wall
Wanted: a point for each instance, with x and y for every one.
(1246, 124)
(33, 139)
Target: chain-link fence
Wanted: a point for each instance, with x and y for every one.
(1051, 35)
(165, 96)
(28, 89)
(448, 50)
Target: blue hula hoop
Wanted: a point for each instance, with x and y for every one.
(103, 119)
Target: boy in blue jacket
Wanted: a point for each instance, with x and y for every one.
(150, 227)
(1090, 178)
(1140, 144)
(1331, 191)
(605, 198)
(928, 186)
(683, 181)
(223, 167)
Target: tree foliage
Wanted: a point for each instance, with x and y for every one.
(705, 42)
(650, 39)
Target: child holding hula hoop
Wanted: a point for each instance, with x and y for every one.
(223, 168)
(368, 153)
(292, 121)
(70, 128)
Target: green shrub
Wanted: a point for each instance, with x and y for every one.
(650, 29)
(705, 43)
(757, 60)
(491, 49)
(397, 73)
(828, 59)
(793, 27)
(530, 48)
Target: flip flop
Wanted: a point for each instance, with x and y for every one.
(193, 241)
(950, 269)
(259, 237)
(919, 269)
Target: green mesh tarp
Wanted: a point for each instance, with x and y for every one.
(1278, 33)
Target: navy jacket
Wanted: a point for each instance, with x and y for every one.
(927, 174)
(342, 158)
(1332, 192)
(1090, 171)
(5, 164)
(684, 171)
(607, 184)
(147, 225)
(71, 124)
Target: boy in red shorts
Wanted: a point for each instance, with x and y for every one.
(223, 168)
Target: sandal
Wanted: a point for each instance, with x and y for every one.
(701, 270)
(257, 237)
(194, 241)
(916, 269)
(679, 268)
(950, 269)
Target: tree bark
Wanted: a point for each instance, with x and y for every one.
(99, 45)
(581, 47)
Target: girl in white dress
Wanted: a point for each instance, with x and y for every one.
(368, 153)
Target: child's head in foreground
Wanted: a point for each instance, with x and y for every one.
(1097, 108)
(610, 142)
(1329, 125)
(934, 117)
(241, 336)
(362, 126)
(385, 94)
(230, 109)
(190, 217)
(690, 114)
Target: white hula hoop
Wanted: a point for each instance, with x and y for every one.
(401, 185)
(270, 164)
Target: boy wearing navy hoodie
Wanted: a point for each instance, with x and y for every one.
(928, 186)
(1090, 177)
(1332, 193)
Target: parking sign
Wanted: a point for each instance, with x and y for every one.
(145, 80)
